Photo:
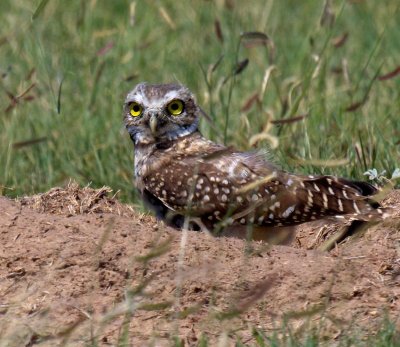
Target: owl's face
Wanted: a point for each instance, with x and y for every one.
(155, 113)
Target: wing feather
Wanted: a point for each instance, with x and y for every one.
(223, 186)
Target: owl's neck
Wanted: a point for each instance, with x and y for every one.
(141, 139)
(182, 131)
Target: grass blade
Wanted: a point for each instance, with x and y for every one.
(40, 8)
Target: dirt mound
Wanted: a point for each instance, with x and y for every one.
(73, 200)
(77, 266)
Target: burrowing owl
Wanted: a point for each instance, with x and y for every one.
(181, 174)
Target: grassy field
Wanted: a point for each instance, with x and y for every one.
(65, 71)
(321, 88)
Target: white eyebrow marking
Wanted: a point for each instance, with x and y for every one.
(140, 98)
(172, 94)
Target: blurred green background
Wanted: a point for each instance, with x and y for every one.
(327, 69)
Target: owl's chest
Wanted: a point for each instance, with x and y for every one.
(150, 158)
(149, 162)
(142, 161)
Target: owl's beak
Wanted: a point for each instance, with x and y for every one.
(153, 124)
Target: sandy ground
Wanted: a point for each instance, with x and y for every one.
(77, 266)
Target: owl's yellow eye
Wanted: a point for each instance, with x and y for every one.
(135, 109)
(175, 107)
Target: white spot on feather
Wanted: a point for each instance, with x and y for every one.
(356, 207)
(310, 198)
(288, 211)
(325, 200)
(340, 205)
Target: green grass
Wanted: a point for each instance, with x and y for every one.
(80, 58)
(85, 56)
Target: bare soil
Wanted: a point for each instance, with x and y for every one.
(77, 266)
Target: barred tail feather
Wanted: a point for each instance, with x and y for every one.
(332, 196)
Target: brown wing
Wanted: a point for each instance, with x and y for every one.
(211, 182)
(222, 186)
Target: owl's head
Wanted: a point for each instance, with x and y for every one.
(155, 113)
